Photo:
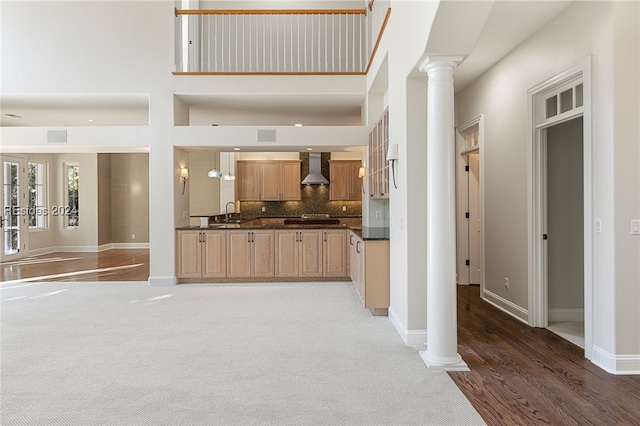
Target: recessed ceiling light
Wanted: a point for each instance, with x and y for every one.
(90, 120)
(13, 115)
(309, 149)
(298, 125)
(236, 149)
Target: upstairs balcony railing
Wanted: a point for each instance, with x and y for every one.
(311, 41)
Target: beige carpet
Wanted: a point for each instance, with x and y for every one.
(118, 353)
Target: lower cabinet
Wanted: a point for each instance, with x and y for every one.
(258, 253)
(202, 254)
(369, 267)
(250, 253)
(334, 252)
(298, 253)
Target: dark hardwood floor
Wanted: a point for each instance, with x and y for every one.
(529, 376)
(109, 265)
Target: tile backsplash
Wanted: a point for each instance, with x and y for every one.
(315, 199)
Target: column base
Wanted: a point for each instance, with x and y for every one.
(454, 365)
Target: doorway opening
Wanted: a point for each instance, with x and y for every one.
(561, 213)
(564, 224)
(469, 204)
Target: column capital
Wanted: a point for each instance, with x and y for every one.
(431, 62)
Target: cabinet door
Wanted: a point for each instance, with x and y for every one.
(375, 270)
(291, 181)
(339, 184)
(310, 253)
(189, 254)
(262, 253)
(361, 275)
(355, 188)
(214, 254)
(248, 181)
(286, 257)
(238, 254)
(271, 182)
(335, 253)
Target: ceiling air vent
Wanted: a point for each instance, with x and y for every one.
(266, 135)
(57, 136)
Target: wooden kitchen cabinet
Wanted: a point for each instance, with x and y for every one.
(298, 253)
(201, 254)
(344, 184)
(250, 253)
(248, 181)
(280, 181)
(370, 272)
(291, 181)
(335, 254)
(268, 181)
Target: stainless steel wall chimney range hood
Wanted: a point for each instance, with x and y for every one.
(315, 176)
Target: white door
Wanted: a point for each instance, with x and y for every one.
(474, 217)
(14, 218)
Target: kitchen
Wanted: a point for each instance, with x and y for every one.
(282, 216)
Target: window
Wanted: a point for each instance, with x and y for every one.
(37, 195)
(72, 184)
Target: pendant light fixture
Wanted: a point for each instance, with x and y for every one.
(214, 173)
(229, 175)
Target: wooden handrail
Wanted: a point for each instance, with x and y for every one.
(375, 48)
(269, 73)
(270, 12)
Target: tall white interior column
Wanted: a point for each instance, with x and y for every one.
(442, 333)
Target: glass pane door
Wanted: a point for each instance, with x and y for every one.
(11, 218)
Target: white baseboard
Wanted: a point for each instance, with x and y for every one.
(41, 251)
(566, 314)
(615, 364)
(163, 281)
(506, 306)
(88, 249)
(409, 337)
(120, 246)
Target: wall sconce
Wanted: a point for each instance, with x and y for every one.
(184, 175)
(361, 175)
(392, 157)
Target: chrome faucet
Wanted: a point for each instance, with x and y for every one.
(226, 210)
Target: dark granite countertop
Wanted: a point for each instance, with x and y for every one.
(364, 232)
(371, 233)
(241, 226)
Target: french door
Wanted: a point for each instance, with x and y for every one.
(13, 221)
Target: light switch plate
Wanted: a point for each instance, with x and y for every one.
(635, 226)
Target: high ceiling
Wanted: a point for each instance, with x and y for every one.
(508, 24)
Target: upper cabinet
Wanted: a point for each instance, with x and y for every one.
(344, 183)
(268, 181)
(378, 165)
(248, 181)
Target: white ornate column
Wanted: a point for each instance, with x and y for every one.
(442, 333)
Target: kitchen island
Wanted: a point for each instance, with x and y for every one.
(262, 249)
(268, 250)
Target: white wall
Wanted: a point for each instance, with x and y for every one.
(626, 176)
(408, 27)
(583, 29)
